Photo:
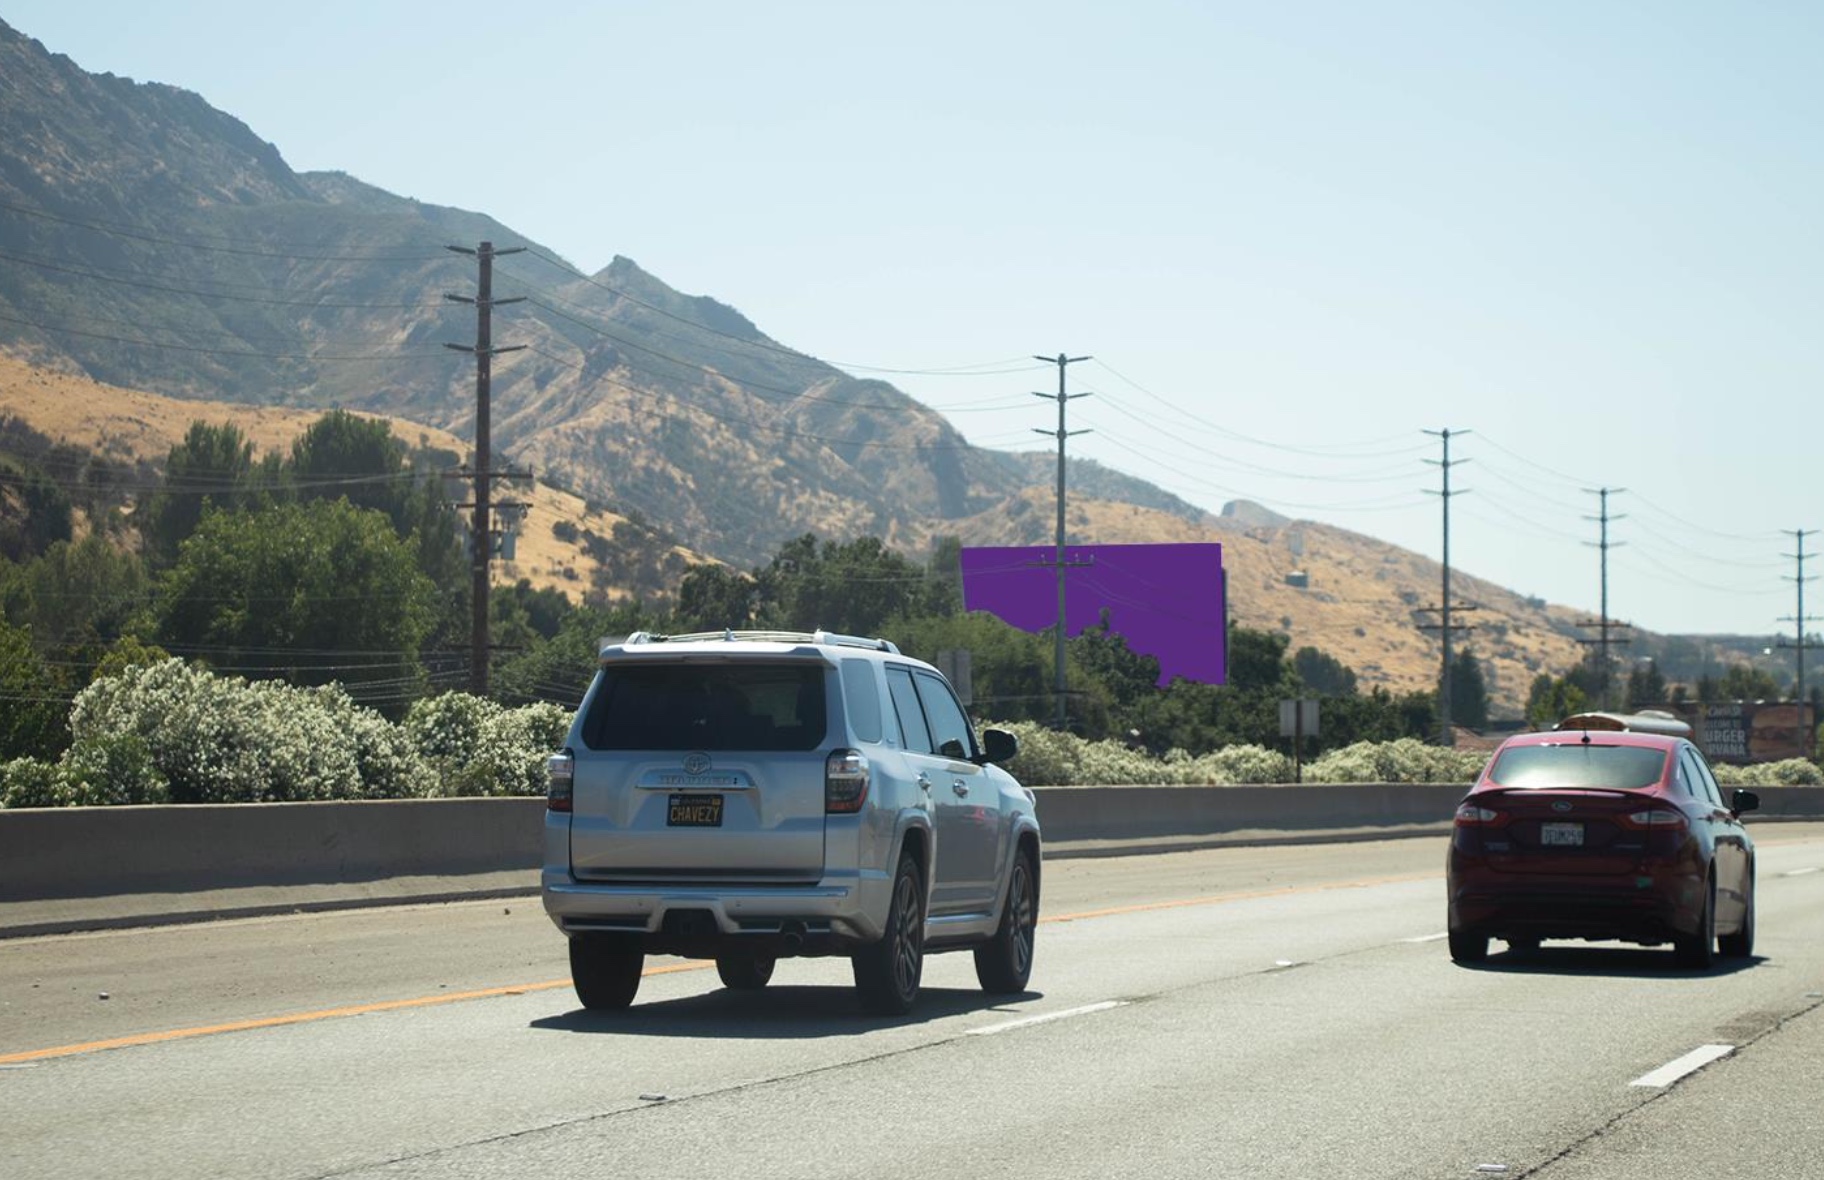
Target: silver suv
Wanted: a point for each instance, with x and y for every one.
(748, 796)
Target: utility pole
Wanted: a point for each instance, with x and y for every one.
(1446, 735)
(1063, 399)
(481, 548)
(1798, 620)
(1603, 623)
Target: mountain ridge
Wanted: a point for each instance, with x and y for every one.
(159, 244)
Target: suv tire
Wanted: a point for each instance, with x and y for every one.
(887, 972)
(1004, 964)
(605, 970)
(745, 972)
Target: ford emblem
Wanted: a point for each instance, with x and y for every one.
(1561, 805)
(697, 763)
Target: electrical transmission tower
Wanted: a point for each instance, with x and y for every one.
(1798, 619)
(1063, 399)
(1603, 623)
(481, 531)
(1443, 626)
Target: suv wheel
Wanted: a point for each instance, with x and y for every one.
(605, 970)
(887, 972)
(745, 972)
(1004, 964)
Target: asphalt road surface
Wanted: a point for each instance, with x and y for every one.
(1245, 1012)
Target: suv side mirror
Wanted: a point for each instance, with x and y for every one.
(1742, 801)
(999, 746)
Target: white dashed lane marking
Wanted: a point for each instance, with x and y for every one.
(1044, 1018)
(1690, 1063)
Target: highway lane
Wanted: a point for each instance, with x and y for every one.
(1259, 1012)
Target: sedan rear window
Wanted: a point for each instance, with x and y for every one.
(1579, 765)
(707, 707)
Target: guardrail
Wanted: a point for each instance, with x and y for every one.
(70, 868)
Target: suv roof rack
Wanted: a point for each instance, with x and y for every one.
(821, 637)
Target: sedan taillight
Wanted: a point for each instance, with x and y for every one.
(1657, 818)
(560, 781)
(845, 782)
(1472, 815)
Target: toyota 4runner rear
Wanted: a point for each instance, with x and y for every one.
(750, 796)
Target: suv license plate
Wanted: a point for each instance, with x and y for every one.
(1561, 835)
(694, 811)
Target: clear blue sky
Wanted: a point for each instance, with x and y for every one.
(1293, 236)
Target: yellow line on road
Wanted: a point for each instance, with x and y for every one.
(208, 1030)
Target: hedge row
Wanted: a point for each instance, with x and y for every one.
(172, 733)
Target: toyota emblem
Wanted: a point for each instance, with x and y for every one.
(697, 763)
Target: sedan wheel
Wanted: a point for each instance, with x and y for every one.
(1698, 950)
(1466, 946)
(1740, 945)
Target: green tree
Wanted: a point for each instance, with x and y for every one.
(1468, 691)
(76, 594)
(1322, 673)
(1551, 699)
(1745, 682)
(559, 668)
(212, 467)
(33, 705)
(852, 587)
(342, 455)
(314, 592)
(713, 597)
(1257, 660)
(1646, 685)
(34, 510)
(1102, 655)
(1010, 668)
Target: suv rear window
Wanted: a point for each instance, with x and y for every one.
(1579, 765)
(707, 707)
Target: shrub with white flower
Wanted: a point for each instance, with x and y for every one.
(172, 732)
(27, 782)
(474, 746)
(1791, 772)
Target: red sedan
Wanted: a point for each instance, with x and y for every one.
(1598, 834)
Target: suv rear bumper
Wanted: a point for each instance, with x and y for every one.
(800, 919)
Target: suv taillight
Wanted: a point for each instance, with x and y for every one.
(845, 782)
(560, 780)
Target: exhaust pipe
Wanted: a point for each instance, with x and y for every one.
(791, 935)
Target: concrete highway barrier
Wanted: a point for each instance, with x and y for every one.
(84, 868)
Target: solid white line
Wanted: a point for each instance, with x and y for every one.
(1429, 938)
(1044, 1017)
(1690, 1063)
(1801, 872)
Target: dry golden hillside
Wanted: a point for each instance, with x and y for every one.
(1358, 599)
(128, 424)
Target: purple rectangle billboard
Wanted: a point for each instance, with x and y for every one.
(1167, 601)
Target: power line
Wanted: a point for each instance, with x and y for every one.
(1447, 719)
(1603, 624)
(1063, 399)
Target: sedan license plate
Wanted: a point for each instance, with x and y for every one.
(1561, 835)
(694, 811)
